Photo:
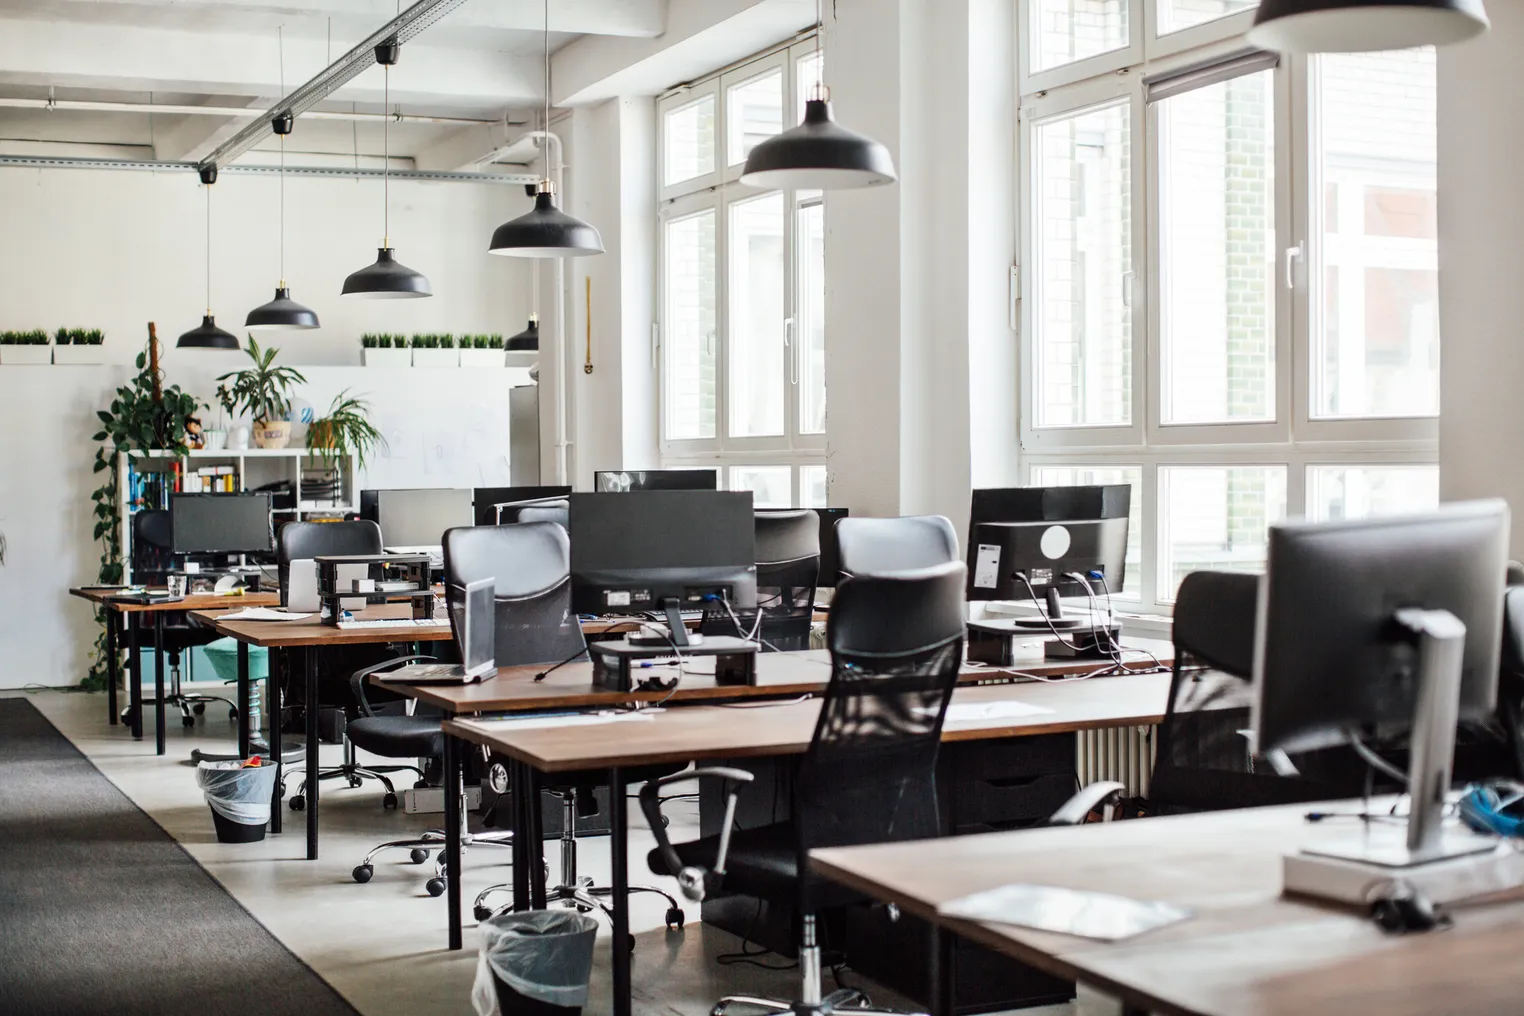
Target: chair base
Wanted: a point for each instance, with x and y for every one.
(356, 774)
(429, 841)
(584, 896)
(847, 1001)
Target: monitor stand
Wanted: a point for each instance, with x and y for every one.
(677, 632)
(1446, 863)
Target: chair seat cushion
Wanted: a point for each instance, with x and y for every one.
(398, 736)
(763, 862)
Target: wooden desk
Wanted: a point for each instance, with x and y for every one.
(1247, 952)
(118, 610)
(703, 733)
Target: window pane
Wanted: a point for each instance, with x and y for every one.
(809, 318)
(1079, 476)
(1216, 518)
(1083, 254)
(1177, 14)
(753, 113)
(688, 138)
(688, 338)
(1355, 492)
(756, 305)
(1070, 30)
(809, 72)
(769, 485)
(812, 487)
(1217, 252)
(1376, 327)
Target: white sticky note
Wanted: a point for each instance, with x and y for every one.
(987, 566)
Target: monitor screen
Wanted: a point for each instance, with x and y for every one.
(419, 518)
(486, 499)
(612, 482)
(220, 524)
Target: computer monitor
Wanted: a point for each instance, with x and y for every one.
(830, 554)
(612, 481)
(419, 518)
(486, 499)
(1077, 503)
(665, 550)
(1376, 626)
(220, 524)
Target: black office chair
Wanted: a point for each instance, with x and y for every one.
(884, 546)
(869, 775)
(530, 563)
(303, 541)
(788, 564)
(152, 561)
(558, 512)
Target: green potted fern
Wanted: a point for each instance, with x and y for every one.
(264, 392)
(25, 348)
(380, 350)
(79, 346)
(481, 351)
(435, 350)
(344, 430)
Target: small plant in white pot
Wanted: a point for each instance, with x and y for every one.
(386, 350)
(435, 350)
(80, 346)
(481, 351)
(264, 391)
(25, 347)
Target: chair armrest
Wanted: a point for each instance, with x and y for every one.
(695, 882)
(357, 679)
(1087, 800)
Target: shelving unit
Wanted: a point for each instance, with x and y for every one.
(253, 468)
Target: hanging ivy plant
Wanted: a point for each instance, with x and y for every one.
(143, 416)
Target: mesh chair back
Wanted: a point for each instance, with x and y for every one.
(530, 566)
(869, 775)
(302, 541)
(152, 540)
(788, 561)
(880, 546)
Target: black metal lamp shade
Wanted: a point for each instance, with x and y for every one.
(528, 339)
(207, 336)
(281, 312)
(1358, 26)
(545, 232)
(387, 279)
(819, 154)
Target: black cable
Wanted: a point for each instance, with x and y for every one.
(542, 675)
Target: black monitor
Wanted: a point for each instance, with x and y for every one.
(664, 551)
(1377, 626)
(1050, 504)
(220, 524)
(486, 499)
(613, 481)
(830, 554)
(1025, 542)
(419, 518)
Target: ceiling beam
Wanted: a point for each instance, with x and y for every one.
(194, 136)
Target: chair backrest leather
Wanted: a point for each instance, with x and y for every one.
(529, 564)
(881, 546)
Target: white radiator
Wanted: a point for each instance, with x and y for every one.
(1123, 754)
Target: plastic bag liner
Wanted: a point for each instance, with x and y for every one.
(545, 955)
(238, 794)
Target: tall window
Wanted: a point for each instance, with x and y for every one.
(742, 329)
(1229, 281)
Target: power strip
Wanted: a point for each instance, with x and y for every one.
(430, 800)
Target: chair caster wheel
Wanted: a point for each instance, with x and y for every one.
(482, 913)
(435, 886)
(419, 855)
(389, 802)
(675, 918)
(421, 785)
(187, 721)
(632, 942)
(199, 708)
(297, 803)
(232, 715)
(362, 873)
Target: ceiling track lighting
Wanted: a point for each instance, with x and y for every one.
(545, 231)
(207, 335)
(1360, 26)
(388, 278)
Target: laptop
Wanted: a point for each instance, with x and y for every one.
(302, 586)
(478, 645)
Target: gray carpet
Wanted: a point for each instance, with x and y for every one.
(101, 912)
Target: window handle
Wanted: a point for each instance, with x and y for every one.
(789, 351)
(1293, 255)
(1128, 280)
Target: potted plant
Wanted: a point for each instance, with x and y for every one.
(435, 350)
(264, 392)
(344, 430)
(78, 345)
(25, 347)
(386, 350)
(481, 351)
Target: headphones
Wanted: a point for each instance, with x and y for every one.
(1494, 807)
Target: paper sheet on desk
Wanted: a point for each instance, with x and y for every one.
(261, 614)
(565, 720)
(974, 712)
(1067, 911)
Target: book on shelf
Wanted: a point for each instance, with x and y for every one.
(151, 488)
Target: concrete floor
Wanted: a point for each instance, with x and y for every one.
(382, 945)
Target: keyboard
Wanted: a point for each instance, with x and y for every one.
(435, 554)
(661, 615)
(395, 622)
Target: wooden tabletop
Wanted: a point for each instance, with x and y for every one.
(1246, 952)
(204, 602)
(785, 728)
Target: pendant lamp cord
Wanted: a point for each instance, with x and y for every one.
(545, 141)
(386, 161)
(208, 250)
(280, 31)
(819, 48)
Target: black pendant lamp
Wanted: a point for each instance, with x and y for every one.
(1358, 26)
(282, 312)
(388, 278)
(546, 231)
(819, 154)
(528, 339)
(208, 335)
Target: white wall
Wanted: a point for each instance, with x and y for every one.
(1481, 258)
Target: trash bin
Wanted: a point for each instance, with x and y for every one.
(534, 963)
(239, 797)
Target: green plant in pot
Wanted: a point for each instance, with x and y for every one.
(345, 429)
(264, 392)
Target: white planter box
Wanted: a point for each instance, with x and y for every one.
(436, 358)
(482, 358)
(388, 357)
(79, 354)
(26, 354)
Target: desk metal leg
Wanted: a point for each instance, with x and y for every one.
(454, 819)
(134, 676)
(280, 659)
(312, 752)
(158, 680)
(534, 838)
(113, 665)
(620, 898)
(518, 784)
(244, 695)
(943, 973)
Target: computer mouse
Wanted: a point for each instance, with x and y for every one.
(1408, 912)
